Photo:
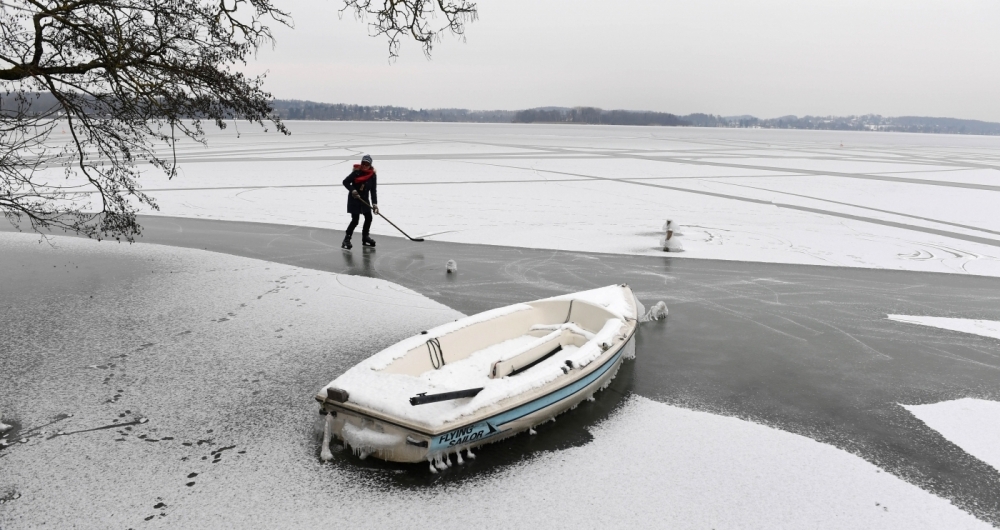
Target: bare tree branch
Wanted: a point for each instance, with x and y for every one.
(401, 19)
(125, 80)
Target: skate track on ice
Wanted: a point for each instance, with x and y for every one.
(802, 348)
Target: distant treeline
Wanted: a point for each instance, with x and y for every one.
(307, 110)
(868, 122)
(597, 116)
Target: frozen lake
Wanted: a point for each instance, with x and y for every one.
(162, 386)
(877, 200)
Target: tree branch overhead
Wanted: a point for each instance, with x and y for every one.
(96, 88)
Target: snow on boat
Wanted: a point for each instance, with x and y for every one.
(482, 378)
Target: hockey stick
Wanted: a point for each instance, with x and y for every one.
(390, 222)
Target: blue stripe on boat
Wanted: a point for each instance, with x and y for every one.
(491, 426)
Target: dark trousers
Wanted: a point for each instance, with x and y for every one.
(354, 224)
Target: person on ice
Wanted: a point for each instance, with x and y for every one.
(360, 183)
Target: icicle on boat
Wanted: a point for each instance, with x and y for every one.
(482, 378)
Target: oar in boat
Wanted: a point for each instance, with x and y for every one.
(422, 398)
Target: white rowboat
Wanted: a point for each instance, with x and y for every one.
(482, 378)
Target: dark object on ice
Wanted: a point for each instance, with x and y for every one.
(363, 181)
(360, 183)
(336, 394)
(422, 398)
(346, 245)
(367, 241)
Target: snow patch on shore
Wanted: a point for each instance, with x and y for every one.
(972, 424)
(986, 328)
(668, 467)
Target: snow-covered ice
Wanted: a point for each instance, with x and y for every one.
(972, 424)
(885, 200)
(986, 328)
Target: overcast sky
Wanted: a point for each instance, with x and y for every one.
(767, 58)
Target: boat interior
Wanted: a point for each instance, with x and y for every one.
(546, 328)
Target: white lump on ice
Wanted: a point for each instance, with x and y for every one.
(669, 241)
(4, 427)
(671, 245)
(657, 312)
(451, 266)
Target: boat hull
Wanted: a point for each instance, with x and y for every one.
(372, 434)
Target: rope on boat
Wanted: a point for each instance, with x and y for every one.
(434, 350)
(570, 312)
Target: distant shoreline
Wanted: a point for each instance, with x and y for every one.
(313, 111)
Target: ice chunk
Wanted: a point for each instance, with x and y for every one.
(325, 454)
(364, 441)
(657, 312)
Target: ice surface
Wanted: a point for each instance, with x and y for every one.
(972, 424)
(773, 196)
(986, 328)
